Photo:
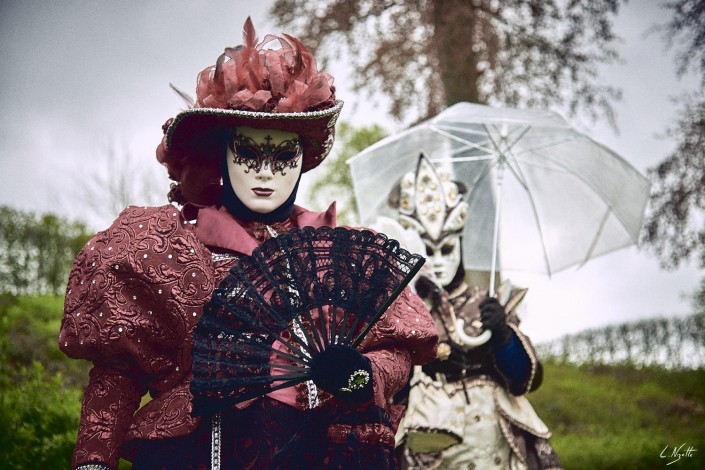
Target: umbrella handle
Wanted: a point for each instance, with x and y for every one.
(471, 341)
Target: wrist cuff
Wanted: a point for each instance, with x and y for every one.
(92, 466)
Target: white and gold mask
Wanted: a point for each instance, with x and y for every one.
(431, 203)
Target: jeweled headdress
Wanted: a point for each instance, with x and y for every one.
(431, 203)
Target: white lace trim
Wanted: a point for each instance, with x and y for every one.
(312, 390)
(222, 256)
(215, 442)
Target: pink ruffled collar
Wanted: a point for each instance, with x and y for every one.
(217, 228)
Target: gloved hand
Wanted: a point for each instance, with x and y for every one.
(494, 318)
(344, 372)
(452, 366)
(427, 289)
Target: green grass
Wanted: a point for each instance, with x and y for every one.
(39, 418)
(29, 328)
(617, 417)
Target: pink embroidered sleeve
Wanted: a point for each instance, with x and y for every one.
(109, 402)
(404, 336)
(133, 298)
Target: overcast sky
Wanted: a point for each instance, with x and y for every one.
(78, 76)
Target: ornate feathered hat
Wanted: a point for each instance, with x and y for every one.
(273, 84)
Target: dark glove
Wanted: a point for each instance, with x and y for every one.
(453, 366)
(494, 318)
(344, 372)
(427, 289)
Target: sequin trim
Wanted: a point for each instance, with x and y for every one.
(215, 442)
(222, 256)
(308, 115)
(311, 389)
(263, 115)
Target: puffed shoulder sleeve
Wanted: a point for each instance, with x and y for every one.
(127, 309)
(405, 335)
(407, 324)
(131, 286)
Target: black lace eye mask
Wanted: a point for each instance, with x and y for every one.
(255, 156)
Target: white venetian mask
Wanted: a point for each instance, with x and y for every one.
(264, 166)
(444, 257)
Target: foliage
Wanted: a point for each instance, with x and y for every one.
(36, 252)
(428, 54)
(29, 326)
(675, 343)
(333, 180)
(686, 28)
(40, 419)
(675, 228)
(40, 388)
(619, 417)
(117, 179)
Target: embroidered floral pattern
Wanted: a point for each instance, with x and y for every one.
(134, 297)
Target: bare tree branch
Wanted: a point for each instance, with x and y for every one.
(117, 179)
(425, 55)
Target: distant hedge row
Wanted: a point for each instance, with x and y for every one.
(675, 343)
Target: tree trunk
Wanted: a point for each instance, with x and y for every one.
(454, 24)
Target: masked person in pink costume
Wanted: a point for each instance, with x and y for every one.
(467, 408)
(261, 118)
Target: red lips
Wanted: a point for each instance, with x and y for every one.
(262, 192)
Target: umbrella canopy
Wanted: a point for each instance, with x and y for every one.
(542, 196)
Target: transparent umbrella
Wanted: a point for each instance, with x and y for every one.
(542, 196)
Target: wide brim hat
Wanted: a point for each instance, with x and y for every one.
(251, 85)
(316, 129)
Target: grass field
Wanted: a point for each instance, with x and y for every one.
(608, 417)
(618, 417)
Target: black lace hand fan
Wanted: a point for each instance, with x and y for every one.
(295, 296)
